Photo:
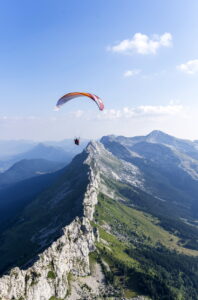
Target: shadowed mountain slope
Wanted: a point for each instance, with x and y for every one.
(39, 223)
(25, 169)
(169, 173)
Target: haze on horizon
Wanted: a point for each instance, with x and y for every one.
(140, 57)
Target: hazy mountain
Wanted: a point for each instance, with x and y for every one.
(28, 168)
(68, 145)
(40, 151)
(45, 152)
(144, 223)
(12, 147)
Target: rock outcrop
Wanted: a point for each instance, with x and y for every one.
(49, 276)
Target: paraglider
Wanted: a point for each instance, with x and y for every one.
(77, 141)
(67, 97)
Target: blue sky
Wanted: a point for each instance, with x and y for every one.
(149, 81)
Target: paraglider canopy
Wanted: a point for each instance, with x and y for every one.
(67, 97)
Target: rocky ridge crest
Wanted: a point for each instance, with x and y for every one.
(49, 276)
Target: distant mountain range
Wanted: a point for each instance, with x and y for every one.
(40, 151)
(27, 168)
(60, 151)
(158, 137)
(14, 147)
(68, 145)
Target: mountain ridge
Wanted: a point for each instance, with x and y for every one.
(140, 222)
(75, 243)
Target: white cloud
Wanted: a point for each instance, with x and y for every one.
(130, 73)
(142, 111)
(190, 67)
(142, 44)
(159, 110)
(110, 114)
(16, 118)
(173, 118)
(3, 117)
(78, 113)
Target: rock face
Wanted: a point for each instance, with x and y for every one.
(50, 274)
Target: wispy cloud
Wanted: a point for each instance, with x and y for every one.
(142, 111)
(190, 67)
(128, 121)
(3, 117)
(78, 113)
(130, 73)
(173, 108)
(143, 44)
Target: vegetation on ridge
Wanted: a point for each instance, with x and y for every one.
(143, 257)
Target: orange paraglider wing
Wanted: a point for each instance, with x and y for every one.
(67, 97)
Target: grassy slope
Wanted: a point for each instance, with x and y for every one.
(140, 253)
(168, 215)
